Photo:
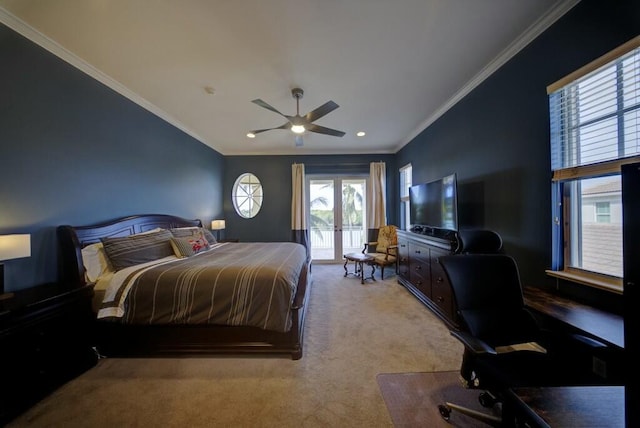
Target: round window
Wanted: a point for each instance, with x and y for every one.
(247, 195)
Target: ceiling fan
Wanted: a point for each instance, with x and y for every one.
(299, 124)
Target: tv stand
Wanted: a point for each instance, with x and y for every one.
(420, 272)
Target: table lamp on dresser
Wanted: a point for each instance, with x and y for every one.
(12, 247)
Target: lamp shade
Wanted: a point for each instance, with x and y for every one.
(217, 225)
(15, 246)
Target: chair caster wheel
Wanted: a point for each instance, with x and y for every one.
(487, 400)
(445, 411)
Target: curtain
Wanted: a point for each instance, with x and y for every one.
(376, 199)
(299, 231)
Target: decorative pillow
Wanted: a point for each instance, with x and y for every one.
(189, 245)
(135, 249)
(95, 261)
(182, 232)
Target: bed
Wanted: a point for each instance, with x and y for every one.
(131, 321)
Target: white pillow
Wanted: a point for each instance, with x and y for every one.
(95, 260)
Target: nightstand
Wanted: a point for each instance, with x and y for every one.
(45, 341)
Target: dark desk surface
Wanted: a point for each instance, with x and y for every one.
(603, 326)
(572, 406)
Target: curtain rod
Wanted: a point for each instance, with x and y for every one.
(337, 164)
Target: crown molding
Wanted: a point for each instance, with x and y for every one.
(509, 52)
(45, 42)
(516, 46)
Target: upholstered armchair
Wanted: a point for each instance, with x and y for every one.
(385, 250)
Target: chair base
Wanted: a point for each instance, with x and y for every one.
(446, 409)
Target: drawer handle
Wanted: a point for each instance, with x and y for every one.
(440, 299)
(419, 283)
(418, 267)
(439, 279)
(417, 252)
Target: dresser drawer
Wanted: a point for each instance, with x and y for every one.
(403, 259)
(418, 253)
(441, 293)
(421, 282)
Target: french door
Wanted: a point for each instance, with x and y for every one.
(337, 223)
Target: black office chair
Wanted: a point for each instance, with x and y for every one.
(479, 241)
(494, 325)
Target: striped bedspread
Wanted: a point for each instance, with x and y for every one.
(247, 284)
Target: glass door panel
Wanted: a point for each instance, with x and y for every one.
(336, 217)
(322, 219)
(353, 213)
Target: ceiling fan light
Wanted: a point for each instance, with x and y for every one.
(298, 129)
(251, 135)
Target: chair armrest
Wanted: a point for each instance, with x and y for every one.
(473, 344)
(368, 245)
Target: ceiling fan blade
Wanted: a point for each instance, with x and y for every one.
(323, 110)
(268, 107)
(322, 130)
(299, 141)
(285, 126)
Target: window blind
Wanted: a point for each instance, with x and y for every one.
(595, 117)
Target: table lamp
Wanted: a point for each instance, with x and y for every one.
(217, 225)
(12, 247)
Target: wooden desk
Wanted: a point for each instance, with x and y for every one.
(602, 365)
(573, 406)
(602, 326)
(584, 406)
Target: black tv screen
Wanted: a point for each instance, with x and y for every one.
(435, 204)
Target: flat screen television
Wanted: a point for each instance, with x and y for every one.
(434, 205)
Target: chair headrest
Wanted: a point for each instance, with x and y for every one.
(480, 241)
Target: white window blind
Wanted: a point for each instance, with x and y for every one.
(405, 181)
(596, 117)
(406, 173)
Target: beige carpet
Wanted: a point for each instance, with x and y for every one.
(413, 398)
(353, 332)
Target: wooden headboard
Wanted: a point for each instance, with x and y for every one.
(71, 240)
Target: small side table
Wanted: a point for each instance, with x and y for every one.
(359, 260)
(46, 337)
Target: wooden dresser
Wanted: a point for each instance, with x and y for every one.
(421, 273)
(45, 340)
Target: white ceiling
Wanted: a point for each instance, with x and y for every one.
(392, 66)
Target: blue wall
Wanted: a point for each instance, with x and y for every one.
(497, 138)
(273, 222)
(72, 151)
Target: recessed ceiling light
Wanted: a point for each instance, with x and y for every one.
(251, 135)
(361, 133)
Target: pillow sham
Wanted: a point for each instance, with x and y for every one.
(131, 250)
(189, 245)
(95, 261)
(182, 232)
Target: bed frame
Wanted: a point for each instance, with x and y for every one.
(122, 340)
